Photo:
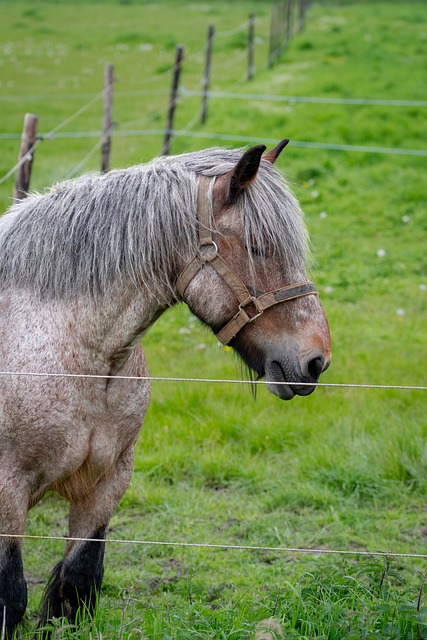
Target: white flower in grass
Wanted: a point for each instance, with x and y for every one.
(422, 287)
(201, 346)
(381, 253)
(328, 289)
(323, 215)
(406, 219)
(315, 194)
(400, 312)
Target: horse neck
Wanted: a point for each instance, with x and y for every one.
(115, 322)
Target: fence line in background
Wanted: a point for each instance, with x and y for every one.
(107, 117)
(51, 134)
(207, 73)
(232, 32)
(295, 143)
(245, 140)
(237, 96)
(84, 160)
(238, 57)
(260, 140)
(96, 376)
(190, 56)
(224, 547)
(282, 29)
(80, 96)
(20, 162)
(306, 99)
(26, 156)
(73, 116)
(251, 46)
(179, 53)
(235, 138)
(153, 116)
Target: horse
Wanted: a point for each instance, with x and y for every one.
(85, 269)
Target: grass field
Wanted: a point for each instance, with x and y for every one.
(342, 469)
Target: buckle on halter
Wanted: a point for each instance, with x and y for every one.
(252, 300)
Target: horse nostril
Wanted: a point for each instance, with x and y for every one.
(315, 368)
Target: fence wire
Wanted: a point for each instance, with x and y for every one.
(95, 376)
(221, 547)
(84, 160)
(224, 137)
(261, 97)
(54, 133)
(264, 97)
(19, 164)
(51, 134)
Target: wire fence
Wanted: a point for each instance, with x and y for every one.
(50, 135)
(350, 385)
(185, 131)
(262, 97)
(221, 547)
(20, 162)
(225, 137)
(210, 545)
(257, 97)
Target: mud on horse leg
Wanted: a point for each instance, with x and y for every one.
(76, 580)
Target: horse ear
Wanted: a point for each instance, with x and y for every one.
(271, 156)
(234, 182)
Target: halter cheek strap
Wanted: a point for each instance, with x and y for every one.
(250, 306)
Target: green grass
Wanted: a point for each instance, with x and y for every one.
(341, 469)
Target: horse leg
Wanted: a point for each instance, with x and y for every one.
(76, 580)
(13, 589)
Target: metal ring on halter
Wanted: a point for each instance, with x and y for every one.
(253, 301)
(211, 255)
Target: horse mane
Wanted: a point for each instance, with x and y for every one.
(131, 224)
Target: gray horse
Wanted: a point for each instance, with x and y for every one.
(85, 270)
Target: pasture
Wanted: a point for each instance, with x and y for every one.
(343, 469)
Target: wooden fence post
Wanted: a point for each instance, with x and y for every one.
(272, 50)
(251, 34)
(207, 73)
(288, 21)
(281, 28)
(173, 99)
(28, 142)
(107, 122)
(301, 15)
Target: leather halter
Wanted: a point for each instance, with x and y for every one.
(250, 306)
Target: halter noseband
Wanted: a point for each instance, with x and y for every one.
(209, 254)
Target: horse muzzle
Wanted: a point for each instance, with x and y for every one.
(287, 377)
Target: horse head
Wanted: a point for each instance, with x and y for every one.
(248, 281)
